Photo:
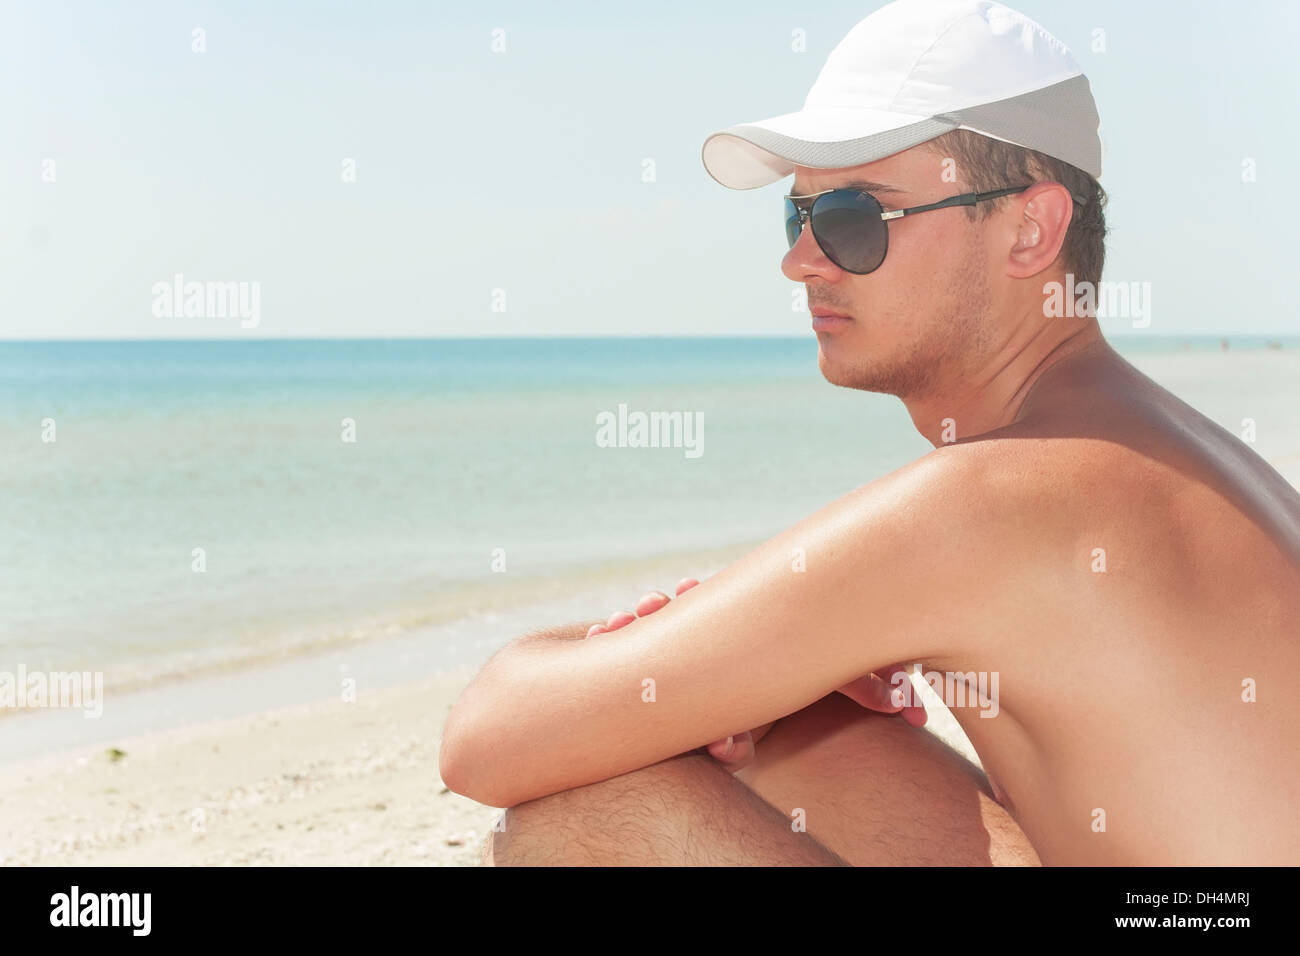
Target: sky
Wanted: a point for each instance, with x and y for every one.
(501, 192)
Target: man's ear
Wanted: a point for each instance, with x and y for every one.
(1046, 209)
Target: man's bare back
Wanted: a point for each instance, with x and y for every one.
(1163, 605)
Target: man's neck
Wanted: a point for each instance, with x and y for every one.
(992, 395)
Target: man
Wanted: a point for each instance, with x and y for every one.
(1114, 578)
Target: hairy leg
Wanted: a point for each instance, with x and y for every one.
(878, 791)
(868, 788)
(687, 811)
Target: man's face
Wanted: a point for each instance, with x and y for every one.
(926, 315)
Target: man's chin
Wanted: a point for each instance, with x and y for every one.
(847, 375)
(831, 362)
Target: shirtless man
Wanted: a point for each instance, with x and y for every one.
(1128, 569)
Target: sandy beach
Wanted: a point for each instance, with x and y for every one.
(326, 783)
(267, 764)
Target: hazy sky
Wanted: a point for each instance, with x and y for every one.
(522, 170)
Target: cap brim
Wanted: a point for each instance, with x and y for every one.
(755, 154)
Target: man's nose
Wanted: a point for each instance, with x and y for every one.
(806, 258)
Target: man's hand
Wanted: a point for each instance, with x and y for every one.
(877, 691)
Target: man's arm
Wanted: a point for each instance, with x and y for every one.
(561, 632)
(889, 573)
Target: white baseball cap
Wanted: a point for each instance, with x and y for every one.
(914, 70)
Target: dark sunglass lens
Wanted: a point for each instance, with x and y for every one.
(792, 224)
(848, 228)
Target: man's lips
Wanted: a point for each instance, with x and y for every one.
(827, 320)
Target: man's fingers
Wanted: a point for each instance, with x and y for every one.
(619, 619)
(872, 693)
(894, 678)
(885, 693)
(648, 604)
(735, 752)
(904, 693)
(651, 603)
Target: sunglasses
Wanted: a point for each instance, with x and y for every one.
(851, 227)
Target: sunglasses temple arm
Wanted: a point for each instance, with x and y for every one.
(969, 199)
(966, 199)
(1081, 200)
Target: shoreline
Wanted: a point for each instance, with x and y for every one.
(469, 604)
(327, 757)
(377, 657)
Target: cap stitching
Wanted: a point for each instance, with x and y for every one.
(1039, 29)
(1004, 14)
(924, 53)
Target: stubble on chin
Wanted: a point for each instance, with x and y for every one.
(947, 344)
(906, 375)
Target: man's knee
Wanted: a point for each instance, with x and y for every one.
(687, 811)
(632, 815)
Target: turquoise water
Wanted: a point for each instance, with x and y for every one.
(462, 447)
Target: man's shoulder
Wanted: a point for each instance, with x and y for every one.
(977, 536)
(1049, 495)
(1007, 473)
(1016, 498)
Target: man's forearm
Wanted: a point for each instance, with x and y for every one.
(468, 710)
(577, 632)
(560, 632)
(536, 641)
(533, 640)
